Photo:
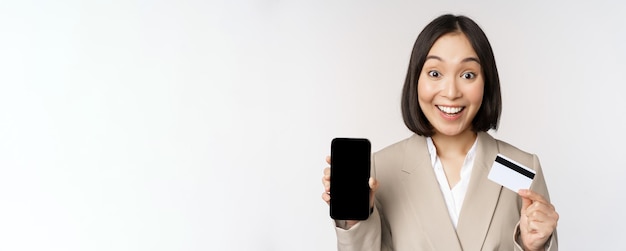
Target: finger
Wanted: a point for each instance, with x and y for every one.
(540, 230)
(536, 207)
(540, 224)
(525, 204)
(542, 213)
(543, 207)
(537, 226)
(326, 180)
(326, 177)
(534, 210)
(328, 159)
(546, 227)
(556, 216)
(327, 187)
(537, 216)
(326, 197)
(533, 227)
(529, 194)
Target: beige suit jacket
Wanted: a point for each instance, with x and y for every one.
(410, 212)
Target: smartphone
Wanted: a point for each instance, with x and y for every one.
(349, 178)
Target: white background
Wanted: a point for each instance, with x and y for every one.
(194, 125)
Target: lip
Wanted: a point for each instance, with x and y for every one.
(448, 116)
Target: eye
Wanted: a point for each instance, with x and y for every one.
(468, 75)
(434, 74)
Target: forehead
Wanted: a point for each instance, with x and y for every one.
(452, 47)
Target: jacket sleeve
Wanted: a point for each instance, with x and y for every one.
(364, 235)
(539, 186)
(372, 234)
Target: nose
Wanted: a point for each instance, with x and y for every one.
(451, 89)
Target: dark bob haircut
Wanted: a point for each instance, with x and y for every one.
(488, 115)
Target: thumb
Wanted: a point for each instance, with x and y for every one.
(525, 200)
(373, 184)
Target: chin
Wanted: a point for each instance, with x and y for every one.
(453, 131)
(449, 134)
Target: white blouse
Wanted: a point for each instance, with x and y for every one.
(454, 197)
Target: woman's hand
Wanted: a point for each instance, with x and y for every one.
(326, 195)
(538, 220)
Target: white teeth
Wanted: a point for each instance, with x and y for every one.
(450, 110)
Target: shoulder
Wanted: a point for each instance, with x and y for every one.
(404, 154)
(401, 146)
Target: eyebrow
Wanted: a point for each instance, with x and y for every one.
(465, 60)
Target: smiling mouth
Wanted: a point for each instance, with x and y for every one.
(451, 110)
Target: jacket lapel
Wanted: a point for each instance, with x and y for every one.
(424, 195)
(481, 197)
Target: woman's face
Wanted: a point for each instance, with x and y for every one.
(450, 86)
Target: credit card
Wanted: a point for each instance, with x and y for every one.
(511, 174)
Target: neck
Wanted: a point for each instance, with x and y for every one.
(454, 145)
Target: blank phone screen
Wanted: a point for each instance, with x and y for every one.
(349, 176)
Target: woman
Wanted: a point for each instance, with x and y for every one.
(431, 190)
